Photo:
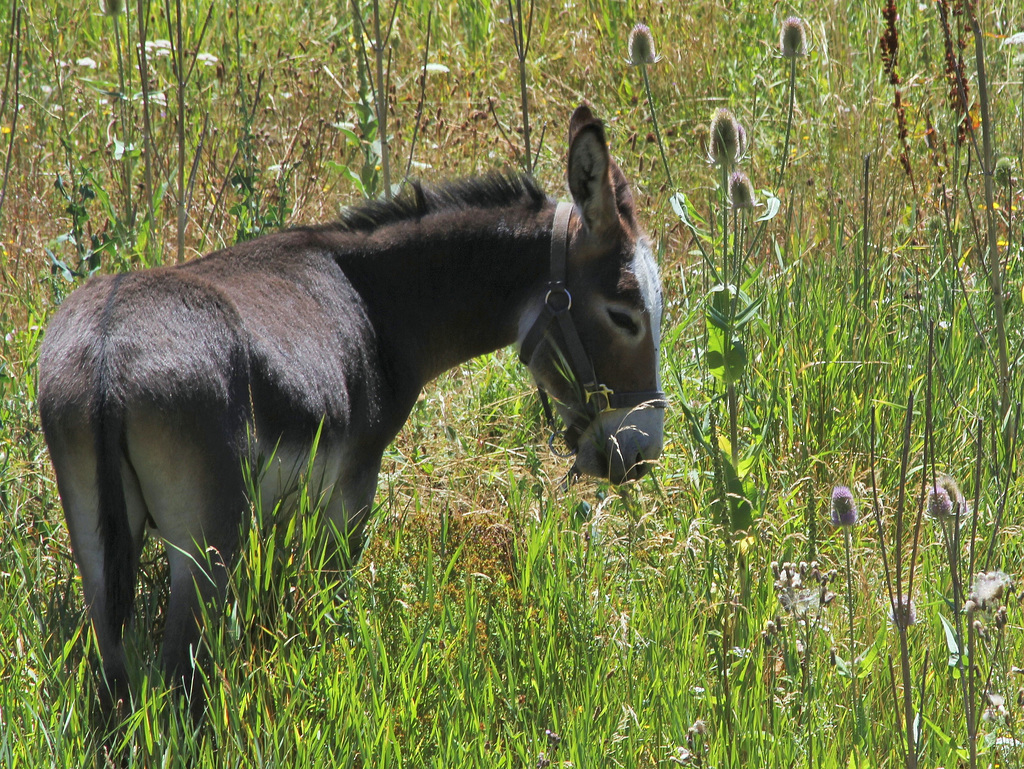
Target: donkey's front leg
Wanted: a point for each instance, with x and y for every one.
(348, 510)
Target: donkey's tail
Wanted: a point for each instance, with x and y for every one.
(120, 559)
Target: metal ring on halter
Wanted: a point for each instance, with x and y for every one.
(558, 289)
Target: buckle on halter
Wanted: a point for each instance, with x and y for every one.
(600, 391)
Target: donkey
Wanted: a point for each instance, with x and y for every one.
(157, 387)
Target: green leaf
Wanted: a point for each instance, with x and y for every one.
(955, 653)
(726, 355)
(748, 314)
(349, 174)
(741, 514)
(685, 211)
(948, 739)
(866, 661)
(843, 667)
(773, 204)
(57, 266)
(720, 306)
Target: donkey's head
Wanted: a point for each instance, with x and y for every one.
(591, 336)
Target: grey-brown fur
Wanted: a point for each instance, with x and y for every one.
(155, 387)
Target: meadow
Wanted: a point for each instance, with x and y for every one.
(822, 570)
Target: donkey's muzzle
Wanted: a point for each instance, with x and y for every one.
(621, 445)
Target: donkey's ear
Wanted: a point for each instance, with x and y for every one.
(589, 172)
(580, 117)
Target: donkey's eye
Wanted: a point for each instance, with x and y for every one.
(625, 320)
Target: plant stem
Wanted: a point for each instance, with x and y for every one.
(525, 107)
(865, 239)
(857, 720)
(789, 122)
(521, 40)
(423, 91)
(179, 74)
(127, 162)
(995, 276)
(13, 52)
(654, 122)
(382, 102)
(148, 150)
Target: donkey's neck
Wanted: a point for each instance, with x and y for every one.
(451, 286)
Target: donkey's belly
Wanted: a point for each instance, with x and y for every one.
(334, 480)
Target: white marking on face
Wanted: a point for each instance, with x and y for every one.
(645, 268)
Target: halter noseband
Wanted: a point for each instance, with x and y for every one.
(555, 320)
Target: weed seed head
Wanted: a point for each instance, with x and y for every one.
(844, 509)
(703, 137)
(1004, 171)
(989, 589)
(741, 191)
(945, 500)
(1001, 618)
(939, 504)
(727, 138)
(802, 589)
(112, 7)
(902, 612)
(793, 38)
(995, 712)
(641, 46)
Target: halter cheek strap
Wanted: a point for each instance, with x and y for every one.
(555, 323)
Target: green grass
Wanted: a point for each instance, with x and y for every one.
(492, 610)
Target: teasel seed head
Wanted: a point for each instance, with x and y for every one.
(728, 138)
(741, 191)
(793, 38)
(641, 46)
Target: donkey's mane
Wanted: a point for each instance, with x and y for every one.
(494, 190)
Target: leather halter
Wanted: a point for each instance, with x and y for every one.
(555, 323)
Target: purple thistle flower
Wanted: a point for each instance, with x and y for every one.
(844, 509)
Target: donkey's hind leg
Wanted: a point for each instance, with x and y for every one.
(74, 459)
(192, 483)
